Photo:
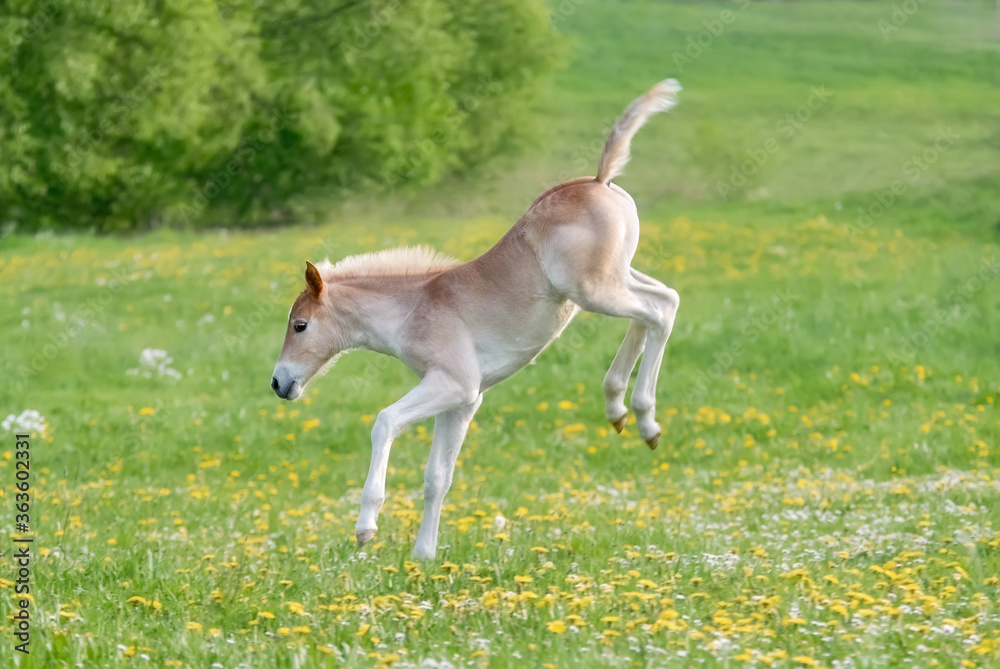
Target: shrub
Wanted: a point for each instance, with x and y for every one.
(126, 114)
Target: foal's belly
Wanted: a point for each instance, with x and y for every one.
(512, 343)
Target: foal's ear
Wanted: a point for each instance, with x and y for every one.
(313, 280)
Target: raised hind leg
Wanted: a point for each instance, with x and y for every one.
(651, 306)
(644, 393)
(587, 261)
(616, 380)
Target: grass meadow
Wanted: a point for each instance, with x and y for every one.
(827, 489)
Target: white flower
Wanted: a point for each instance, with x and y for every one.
(154, 360)
(151, 357)
(28, 422)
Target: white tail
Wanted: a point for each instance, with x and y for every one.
(660, 98)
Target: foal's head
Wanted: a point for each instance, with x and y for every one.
(310, 340)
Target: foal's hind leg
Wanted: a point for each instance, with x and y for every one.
(651, 306)
(616, 380)
(644, 394)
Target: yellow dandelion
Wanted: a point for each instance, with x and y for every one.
(557, 626)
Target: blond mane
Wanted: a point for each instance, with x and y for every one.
(404, 261)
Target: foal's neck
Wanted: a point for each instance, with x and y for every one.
(373, 310)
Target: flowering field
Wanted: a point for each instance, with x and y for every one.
(826, 492)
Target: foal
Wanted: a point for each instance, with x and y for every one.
(465, 327)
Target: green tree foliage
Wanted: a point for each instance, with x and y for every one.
(119, 114)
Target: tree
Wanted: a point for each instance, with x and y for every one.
(122, 114)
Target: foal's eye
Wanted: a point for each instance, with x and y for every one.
(300, 326)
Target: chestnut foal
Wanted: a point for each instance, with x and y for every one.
(465, 327)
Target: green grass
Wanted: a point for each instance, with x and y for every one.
(826, 487)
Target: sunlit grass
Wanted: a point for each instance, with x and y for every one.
(813, 499)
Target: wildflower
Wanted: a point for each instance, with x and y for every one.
(28, 421)
(557, 626)
(154, 361)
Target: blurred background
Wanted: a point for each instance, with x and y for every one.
(130, 115)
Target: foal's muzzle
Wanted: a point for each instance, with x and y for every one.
(286, 389)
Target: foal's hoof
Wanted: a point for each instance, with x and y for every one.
(653, 441)
(619, 424)
(364, 536)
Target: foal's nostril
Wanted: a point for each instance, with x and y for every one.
(274, 384)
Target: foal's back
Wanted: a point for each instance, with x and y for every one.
(508, 305)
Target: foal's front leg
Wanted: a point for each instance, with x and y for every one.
(437, 392)
(449, 433)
